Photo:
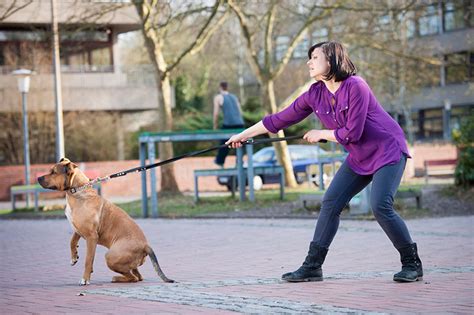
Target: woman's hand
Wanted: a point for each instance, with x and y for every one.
(314, 135)
(236, 141)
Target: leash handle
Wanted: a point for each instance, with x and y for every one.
(269, 140)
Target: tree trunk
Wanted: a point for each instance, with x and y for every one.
(165, 149)
(281, 148)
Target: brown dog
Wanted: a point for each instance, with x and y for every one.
(99, 221)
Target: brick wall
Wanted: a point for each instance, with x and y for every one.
(126, 186)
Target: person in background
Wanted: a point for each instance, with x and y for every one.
(232, 117)
(351, 116)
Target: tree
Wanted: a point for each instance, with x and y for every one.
(162, 22)
(273, 17)
(384, 43)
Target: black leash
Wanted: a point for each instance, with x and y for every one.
(182, 156)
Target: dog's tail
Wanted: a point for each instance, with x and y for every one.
(156, 265)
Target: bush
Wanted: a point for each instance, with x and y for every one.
(464, 140)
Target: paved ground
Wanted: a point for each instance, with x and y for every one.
(225, 266)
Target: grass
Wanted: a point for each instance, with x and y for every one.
(174, 206)
(184, 206)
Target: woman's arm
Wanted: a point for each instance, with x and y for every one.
(358, 108)
(236, 140)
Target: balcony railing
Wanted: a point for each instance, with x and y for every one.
(135, 75)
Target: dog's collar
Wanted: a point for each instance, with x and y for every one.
(89, 184)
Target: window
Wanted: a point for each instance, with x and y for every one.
(433, 123)
(281, 46)
(82, 36)
(459, 67)
(456, 14)
(301, 50)
(428, 21)
(320, 35)
(431, 74)
(21, 35)
(409, 19)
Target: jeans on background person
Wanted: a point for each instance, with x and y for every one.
(223, 152)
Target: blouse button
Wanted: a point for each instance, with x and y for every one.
(316, 111)
(347, 139)
(327, 112)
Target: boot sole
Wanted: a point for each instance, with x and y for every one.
(407, 280)
(303, 280)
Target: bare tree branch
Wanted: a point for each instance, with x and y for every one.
(203, 36)
(251, 52)
(7, 10)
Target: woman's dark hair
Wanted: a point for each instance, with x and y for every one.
(340, 65)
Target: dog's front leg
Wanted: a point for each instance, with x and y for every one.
(74, 240)
(91, 246)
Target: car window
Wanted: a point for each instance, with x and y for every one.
(297, 152)
(264, 155)
(305, 152)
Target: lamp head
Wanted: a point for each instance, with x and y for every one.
(23, 76)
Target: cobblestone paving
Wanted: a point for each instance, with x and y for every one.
(229, 266)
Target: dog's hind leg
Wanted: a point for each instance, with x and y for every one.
(127, 277)
(121, 261)
(137, 274)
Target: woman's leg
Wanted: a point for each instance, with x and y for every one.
(345, 185)
(384, 187)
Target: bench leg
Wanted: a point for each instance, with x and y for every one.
(232, 185)
(418, 202)
(282, 185)
(12, 197)
(36, 201)
(196, 189)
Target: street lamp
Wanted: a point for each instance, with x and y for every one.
(23, 76)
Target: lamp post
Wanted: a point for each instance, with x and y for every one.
(23, 77)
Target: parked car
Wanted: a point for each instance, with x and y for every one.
(301, 157)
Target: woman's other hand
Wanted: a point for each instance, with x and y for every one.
(314, 135)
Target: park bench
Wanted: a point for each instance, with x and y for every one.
(36, 189)
(305, 199)
(439, 168)
(260, 170)
(411, 193)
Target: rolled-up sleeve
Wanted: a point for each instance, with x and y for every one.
(358, 107)
(296, 112)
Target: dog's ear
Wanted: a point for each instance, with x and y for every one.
(70, 167)
(64, 161)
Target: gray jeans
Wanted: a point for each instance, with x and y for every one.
(346, 184)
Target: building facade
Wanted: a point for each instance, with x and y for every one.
(93, 78)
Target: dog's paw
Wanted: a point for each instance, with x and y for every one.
(84, 282)
(74, 260)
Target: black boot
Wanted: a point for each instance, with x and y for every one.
(311, 268)
(412, 269)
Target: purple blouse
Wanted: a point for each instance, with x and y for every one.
(372, 138)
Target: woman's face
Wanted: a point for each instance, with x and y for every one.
(318, 64)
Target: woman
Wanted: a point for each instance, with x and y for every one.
(352, 116)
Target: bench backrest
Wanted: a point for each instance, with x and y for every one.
(441, 162)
